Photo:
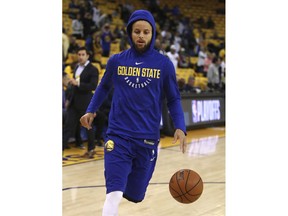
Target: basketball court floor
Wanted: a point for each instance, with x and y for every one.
(83, 191)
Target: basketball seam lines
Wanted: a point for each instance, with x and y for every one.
(190, 190)
(194, 186)
(187, 192)
(179, 187)
(186, 187)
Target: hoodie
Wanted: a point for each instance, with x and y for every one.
(140, 82)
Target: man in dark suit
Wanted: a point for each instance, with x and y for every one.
(79, 93)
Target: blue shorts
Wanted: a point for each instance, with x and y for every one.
(129, 166)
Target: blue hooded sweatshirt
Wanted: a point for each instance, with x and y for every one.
(140, 81)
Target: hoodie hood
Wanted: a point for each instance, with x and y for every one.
(141, 15)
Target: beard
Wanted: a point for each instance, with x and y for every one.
(141, 49)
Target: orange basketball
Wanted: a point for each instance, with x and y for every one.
(186, 186)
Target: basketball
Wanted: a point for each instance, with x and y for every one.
(186, 186)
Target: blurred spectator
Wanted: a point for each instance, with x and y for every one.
(89, 46)
(181, 84)
(124, 14)
(163, 50)
(173, 56)
(190, 86)
(166, 9)
(124, 41)
(97, 48)
(213, 74)
(166, 34)
(105, 18)
(201, 39)
(157, 45)
(153, 6)
(223, 67)
(210, 23)
(106, 40)
(160, 46)
(207, 62)
(184, 59)
(65, 81)
(65, 45)
(222, 70)
(215, 35)
(201, 22)
(212, 48)
(85, 6)
(79, 93)
(201, 59)
(77, 27)
(180, 27)
(117, 32)
(73, 45)
(177, 41)
(188, 39)
(176, 11)
(73, 9)
(89, 26)
(96, 14)
(126, 11)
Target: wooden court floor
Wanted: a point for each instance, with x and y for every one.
(83, 190)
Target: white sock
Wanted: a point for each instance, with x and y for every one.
(111, 203)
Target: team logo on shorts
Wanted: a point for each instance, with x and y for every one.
(109, 145)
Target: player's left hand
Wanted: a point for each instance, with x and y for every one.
(180, 135)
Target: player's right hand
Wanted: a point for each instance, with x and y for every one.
(87, 119)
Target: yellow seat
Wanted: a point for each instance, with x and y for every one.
(193, 60)
(201, 82)
(98, 66)
(71, 58)
(80, 42)
(104, 60)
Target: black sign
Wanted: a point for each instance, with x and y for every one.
(200, 111)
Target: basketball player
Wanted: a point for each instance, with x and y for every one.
(141, 77)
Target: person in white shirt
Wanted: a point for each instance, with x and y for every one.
(201, 59)
(96, 14)
(173, 56)
(213, 74)
(177, 41)
(77, 27)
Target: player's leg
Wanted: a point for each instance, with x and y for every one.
(142, 170)
(118, 163)
(111, 203)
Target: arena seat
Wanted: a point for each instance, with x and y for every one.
(201, 82)
(80, 42)
(104, 60)
(71, 58)
(98, 66)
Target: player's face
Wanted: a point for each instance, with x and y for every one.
(141, 35)
(82, 57)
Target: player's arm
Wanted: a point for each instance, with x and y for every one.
(103, 88)
(87, 119)
(174, 105)
(180, 135)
